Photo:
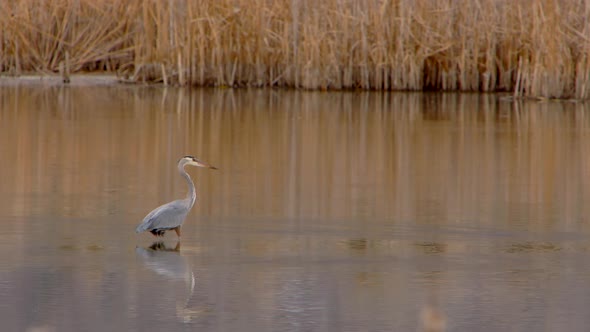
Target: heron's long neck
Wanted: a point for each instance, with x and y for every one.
(192, 194)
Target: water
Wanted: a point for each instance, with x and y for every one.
(345, 211)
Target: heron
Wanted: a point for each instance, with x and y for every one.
(170, 216)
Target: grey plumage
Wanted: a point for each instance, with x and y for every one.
(171, 215)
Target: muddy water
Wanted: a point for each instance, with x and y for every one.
(330, 211)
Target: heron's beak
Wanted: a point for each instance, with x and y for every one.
(204, 164)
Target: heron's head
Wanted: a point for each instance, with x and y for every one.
(190, 160)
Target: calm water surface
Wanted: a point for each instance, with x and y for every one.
(330, 211)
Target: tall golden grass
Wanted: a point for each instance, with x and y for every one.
(537, 48)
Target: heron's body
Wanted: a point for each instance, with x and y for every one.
(170, 216)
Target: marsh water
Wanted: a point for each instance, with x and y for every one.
(330, 211)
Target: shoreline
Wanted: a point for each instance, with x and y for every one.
(86, 79)
(106, 79)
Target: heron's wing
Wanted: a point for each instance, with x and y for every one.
(169, 215)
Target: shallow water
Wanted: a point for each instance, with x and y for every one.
(330, 212)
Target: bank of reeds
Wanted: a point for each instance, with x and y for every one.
(536, 48)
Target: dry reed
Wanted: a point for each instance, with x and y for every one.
(536, 48)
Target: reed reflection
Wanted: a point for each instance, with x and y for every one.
(427, 158)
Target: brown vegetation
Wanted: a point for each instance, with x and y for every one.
(534, 48)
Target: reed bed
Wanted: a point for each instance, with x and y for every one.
(535, 48)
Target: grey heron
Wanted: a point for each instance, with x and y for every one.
(170, 216)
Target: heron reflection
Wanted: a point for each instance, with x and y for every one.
(167, 262)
